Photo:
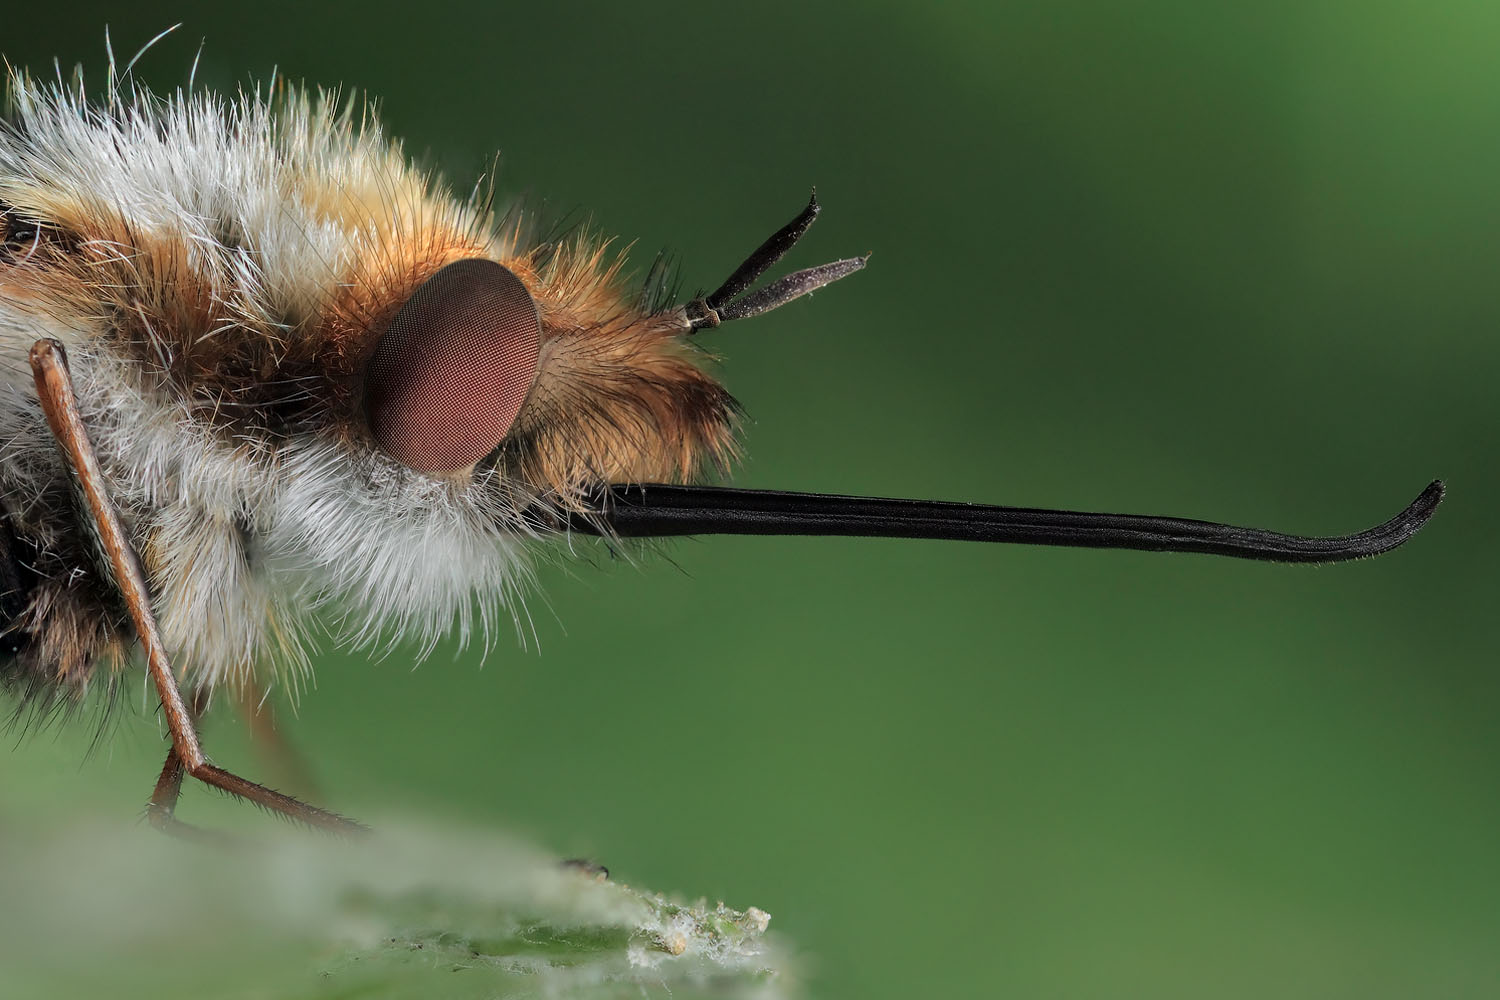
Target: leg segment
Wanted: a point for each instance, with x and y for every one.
(55, 389)
(285, 762)
(162, 808)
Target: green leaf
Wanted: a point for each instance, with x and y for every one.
(409, 912)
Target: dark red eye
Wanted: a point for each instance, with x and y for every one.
(451, 373)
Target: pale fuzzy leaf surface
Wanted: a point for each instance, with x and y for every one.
(409, 912)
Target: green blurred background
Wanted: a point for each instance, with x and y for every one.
(1233, 261)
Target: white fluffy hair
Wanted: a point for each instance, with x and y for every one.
(242, 535)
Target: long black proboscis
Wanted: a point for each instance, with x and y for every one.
(660, 510)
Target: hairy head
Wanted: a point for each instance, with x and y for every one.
(224, 272)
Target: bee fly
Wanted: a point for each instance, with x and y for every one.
(256, 364)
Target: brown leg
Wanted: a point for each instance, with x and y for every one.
(285, 761)
(55, 390)
(161, 810)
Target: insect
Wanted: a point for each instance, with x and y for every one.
(254, 364)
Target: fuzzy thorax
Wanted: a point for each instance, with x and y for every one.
(220, 271)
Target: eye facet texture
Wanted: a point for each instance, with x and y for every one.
(451, 373)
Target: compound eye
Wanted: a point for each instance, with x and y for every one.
(451, 373)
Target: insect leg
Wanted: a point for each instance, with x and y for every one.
(162, 807)
(289, 765)
(54, 385)
(161, 810)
